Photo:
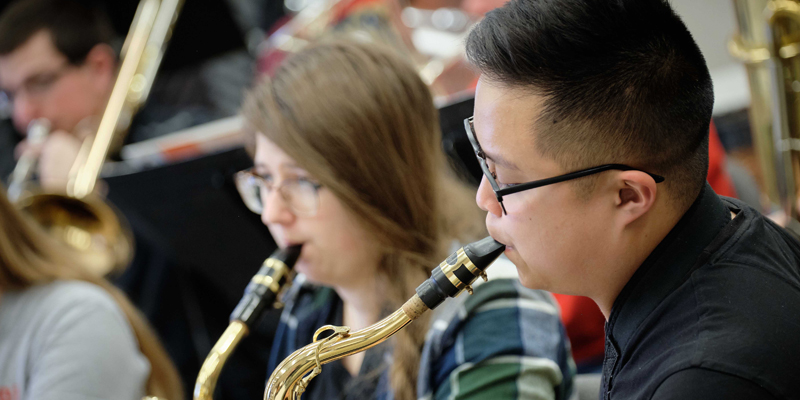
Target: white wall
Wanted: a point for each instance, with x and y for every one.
(712, 23)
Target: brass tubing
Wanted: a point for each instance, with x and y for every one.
(212, 366)
(783, 111)
(275, 275)
(80, 218)
(453, 276)
(86, 177)
(767, 43)
(287, 381)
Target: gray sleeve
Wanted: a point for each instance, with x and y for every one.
(86, 350)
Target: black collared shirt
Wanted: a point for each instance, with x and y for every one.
(713, 313)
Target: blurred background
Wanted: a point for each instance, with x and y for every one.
(197, 245)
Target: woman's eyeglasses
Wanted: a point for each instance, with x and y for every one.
(301, 195)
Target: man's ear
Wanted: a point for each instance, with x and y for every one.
(102, 61)
(635, 195)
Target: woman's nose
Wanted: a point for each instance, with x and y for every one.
(276, 209)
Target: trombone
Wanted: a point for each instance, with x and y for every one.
(767, 45)
(79, 217)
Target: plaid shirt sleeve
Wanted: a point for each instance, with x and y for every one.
(503, 342)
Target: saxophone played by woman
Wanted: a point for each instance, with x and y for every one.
(348, 163)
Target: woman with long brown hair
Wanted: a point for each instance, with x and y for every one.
(65, 333)
(348, 162)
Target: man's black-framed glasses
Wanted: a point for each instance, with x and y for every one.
(500, 192)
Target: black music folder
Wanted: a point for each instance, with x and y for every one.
(193, 213)
(197, 246)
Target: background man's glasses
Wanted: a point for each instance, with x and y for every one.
(300, 195)
(34, 87)
(39, 84)
(499, 193)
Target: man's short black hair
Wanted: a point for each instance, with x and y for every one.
(75, 26)
(623, 82)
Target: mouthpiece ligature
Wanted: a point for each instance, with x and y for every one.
(459, 271)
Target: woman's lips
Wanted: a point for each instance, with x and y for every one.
(293, 242)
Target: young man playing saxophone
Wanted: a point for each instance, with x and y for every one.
(591, 125)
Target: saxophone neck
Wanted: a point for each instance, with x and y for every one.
(454, 275)
(292, 375)
(212, 366)
(260, 294)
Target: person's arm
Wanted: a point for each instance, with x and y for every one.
(703, 384)
(506, 342)
(85, 350)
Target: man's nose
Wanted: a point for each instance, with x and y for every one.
(486, 198)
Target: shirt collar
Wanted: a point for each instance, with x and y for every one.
(668, 266)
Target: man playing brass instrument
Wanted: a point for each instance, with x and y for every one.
(591, 125)
(56, 62)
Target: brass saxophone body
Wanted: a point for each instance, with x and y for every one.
(454, 275)
(261, 294)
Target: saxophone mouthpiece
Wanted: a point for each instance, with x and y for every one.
(263, 289)
(484, 252)
(288, 255)
(459, 271)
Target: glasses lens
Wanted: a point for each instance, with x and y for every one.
(473, 140)
(250, 190)
(302, 197)
(6, 105)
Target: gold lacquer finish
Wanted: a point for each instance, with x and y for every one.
(236, 331)
(278, 270)
(461, 259)
(769, 43)
(89, 225)
(80, 218)
(209, 373)
(289, 380)
(262, 292)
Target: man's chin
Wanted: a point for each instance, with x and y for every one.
(522, 268)
(514, 256)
